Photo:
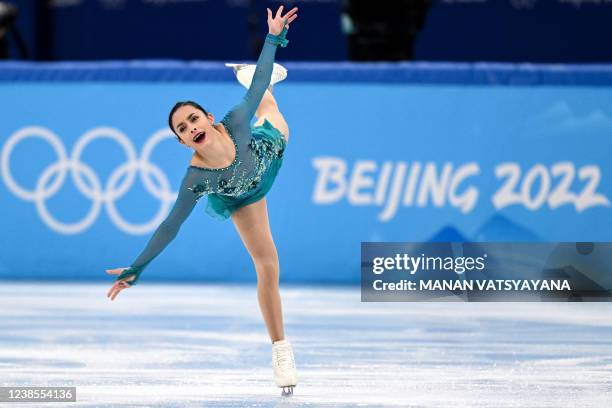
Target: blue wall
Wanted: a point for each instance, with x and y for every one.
(486, 153)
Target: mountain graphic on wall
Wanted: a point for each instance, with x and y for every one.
(448, 234)
(501, 228)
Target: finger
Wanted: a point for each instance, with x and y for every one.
(269, 14)
(112, 287)
(111, 290)
(291, 12)
(115, 294)
(291, 19)
(279, 12)
(116, 288)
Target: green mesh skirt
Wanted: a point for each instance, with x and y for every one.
(221, 206)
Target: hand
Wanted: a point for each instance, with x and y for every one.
(276, 24)
(120, 284)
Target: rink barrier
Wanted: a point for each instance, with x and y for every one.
(336, 72)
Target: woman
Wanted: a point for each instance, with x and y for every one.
(235, 165)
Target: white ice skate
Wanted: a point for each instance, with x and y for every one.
(245, 72)
(283, 364)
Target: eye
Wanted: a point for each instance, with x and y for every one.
(194, 118)
(181, 129)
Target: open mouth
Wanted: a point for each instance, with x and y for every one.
(199, 137)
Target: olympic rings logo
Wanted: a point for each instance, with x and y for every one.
(99, 196)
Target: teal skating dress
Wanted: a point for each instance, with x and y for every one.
(259, 156)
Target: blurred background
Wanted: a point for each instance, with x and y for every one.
(422, 120)
(336, 30)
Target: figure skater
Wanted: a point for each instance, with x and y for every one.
(235, 165)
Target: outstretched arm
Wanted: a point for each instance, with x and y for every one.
(277, 29)
(164, 234)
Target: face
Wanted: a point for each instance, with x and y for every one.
(192, 126)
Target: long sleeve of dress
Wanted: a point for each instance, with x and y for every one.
(243, 112)
(167, 230)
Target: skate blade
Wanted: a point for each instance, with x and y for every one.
(235, 67)
(287, 391)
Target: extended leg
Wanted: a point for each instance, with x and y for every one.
(253, 227)
(268, 109)
(252, 224)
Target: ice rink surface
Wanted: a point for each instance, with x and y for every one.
(167, 345)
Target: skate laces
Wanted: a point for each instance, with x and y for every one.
(284, 357)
